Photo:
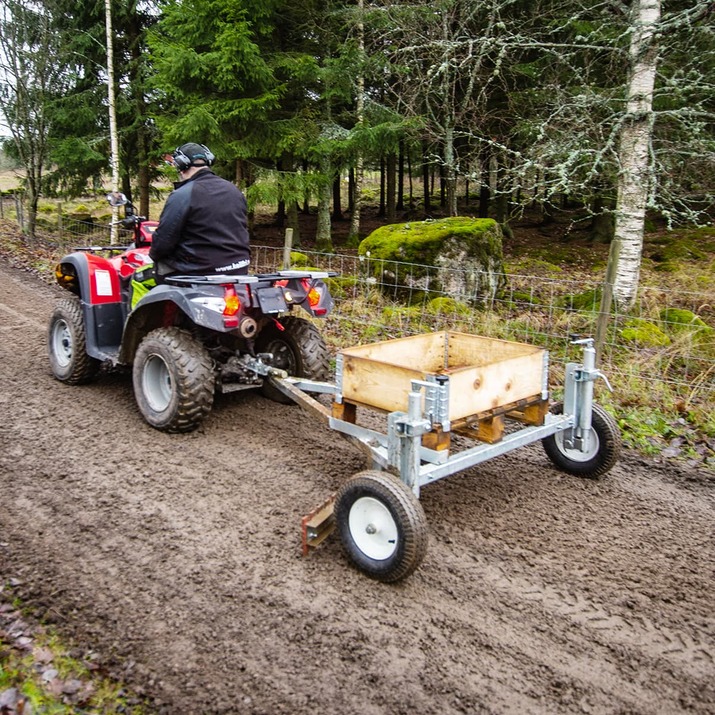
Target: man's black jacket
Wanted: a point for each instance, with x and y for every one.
(202, 228)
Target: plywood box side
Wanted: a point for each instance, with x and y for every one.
(419, 352)
(377, 384)
(485, 373)
(480, 389)
(477, 350)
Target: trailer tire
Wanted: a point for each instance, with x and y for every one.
(173, 380)
(67, 344)
(382, 526)
(605, 440)
(299, 349)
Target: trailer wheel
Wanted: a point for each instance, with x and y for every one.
(173, 380)
(299, 349)
(382, 526)
(604, 446)
(67, 344)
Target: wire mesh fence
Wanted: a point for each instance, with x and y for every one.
(667, 339)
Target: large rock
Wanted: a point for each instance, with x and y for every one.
(460, 257)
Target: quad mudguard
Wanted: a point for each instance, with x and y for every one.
(96, 281)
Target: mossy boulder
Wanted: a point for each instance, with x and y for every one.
(644, 334)
(678, 319)
(459, 256)
(298, 259)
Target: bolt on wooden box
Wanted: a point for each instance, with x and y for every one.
(486, 375)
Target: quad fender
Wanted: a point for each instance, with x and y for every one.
(159, 308)
(95, 280)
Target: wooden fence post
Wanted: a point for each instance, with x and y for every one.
(59, 222)
(287, 247)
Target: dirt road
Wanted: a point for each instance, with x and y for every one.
(178, 556)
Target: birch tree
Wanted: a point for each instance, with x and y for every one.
(635, 179)
(29, 81)
(112, 107)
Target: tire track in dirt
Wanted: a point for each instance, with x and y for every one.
(177, 556)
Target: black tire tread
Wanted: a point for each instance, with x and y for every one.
(84, 367)
(194, 378)
(308, 346)
(609, 446)
(408, 513)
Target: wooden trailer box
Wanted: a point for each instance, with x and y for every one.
(485, 374)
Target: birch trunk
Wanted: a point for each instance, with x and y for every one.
(112, 115)
(451, 178)
(635, 178)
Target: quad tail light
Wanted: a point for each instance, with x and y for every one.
(232, 306)
(315, 295)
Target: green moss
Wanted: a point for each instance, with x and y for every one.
(670, 250)
(519, 296)
(558, 254)
(666, 267)
(448, 306)
(588, 300)
(679, 319)
(534, 267)
(402, 257)
(397, 314)
(298, 260)
(644, 334)
(343, 286)
(421, 241)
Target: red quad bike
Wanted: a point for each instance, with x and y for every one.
(187, 338)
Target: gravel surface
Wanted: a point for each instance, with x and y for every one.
(177, 557)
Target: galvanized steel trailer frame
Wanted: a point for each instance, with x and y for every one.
(400, 449)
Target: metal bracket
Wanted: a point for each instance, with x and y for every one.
(436, 399)
(339, 378)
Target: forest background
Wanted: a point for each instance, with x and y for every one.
(596, 115)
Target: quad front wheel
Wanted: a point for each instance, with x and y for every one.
(173, 380)
(382, 526)
(298, 348)
(67, 344)
(604, 446)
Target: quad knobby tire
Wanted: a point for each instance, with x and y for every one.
(603, 452)
(299, 349)
(67, 344)
(382, 526)
(173, 380)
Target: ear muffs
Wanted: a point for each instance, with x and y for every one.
(210, 158)
(183, 162)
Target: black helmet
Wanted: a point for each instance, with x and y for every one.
(193, 155)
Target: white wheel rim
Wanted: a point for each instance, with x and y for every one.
(62, 343)
(576, 455)
(372, 528)
(156, 383)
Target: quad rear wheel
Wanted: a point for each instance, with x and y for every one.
(67, 344)
(602, 453)
(382, 525)
(298, 348)
(173, 380)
